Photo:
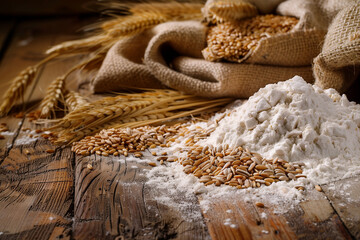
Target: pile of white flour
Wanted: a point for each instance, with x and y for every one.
(292, 120)
(298, 122)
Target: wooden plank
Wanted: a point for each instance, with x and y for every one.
(36, 186)
(36, 189)
(112, 200)
(31, 39)
(237, 219)
(344, 196)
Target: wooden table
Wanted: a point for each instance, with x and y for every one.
(55, 196)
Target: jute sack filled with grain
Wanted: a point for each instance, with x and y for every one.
(170, 55)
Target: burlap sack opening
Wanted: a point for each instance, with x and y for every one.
(172, 56)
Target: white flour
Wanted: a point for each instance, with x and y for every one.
(298, 122)
(292, 120)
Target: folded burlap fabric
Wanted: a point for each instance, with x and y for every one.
(338, 64)
(169, 55)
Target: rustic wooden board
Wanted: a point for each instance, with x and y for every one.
(312, 219)
(344, 196)
(36, 189)
(112, 201)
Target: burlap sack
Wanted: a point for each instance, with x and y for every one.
(170, 55)
(338, 65)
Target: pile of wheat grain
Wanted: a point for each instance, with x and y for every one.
(122, 141)
(237, 167)
(234, 41)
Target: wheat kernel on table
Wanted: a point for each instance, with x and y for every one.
(89, 166)
(318, 188)
(260, 204)
(152, 164)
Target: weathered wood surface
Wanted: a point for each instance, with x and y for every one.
(36, 187)
(113, 199)
(314, 218)
(36, 190)
(344, 196)
(56, 196)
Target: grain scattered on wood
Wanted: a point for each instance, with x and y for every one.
(318, 188)
(152, 164)
(122, 141)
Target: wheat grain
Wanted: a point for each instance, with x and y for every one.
(54, 94)
(235, 42)
(219, 11)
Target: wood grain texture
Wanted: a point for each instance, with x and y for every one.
(36, 189)
(113, 201)
(314, 218)
(344, 196)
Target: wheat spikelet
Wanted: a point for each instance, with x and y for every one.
(124, 97)
(172, 10)
(73, 101)
(146, 15)
(132, 113)
(136, 24)
(17, 89)
(79, 46)
(54, 94)
(74, 121)
(219, 11)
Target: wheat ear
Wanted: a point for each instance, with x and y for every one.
(17, 89)
(54, 93)
(73, 101)
(19, 85)
(79, 46)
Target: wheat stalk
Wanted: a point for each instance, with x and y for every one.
(135, 110)
(79, 46)
(73, 101)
